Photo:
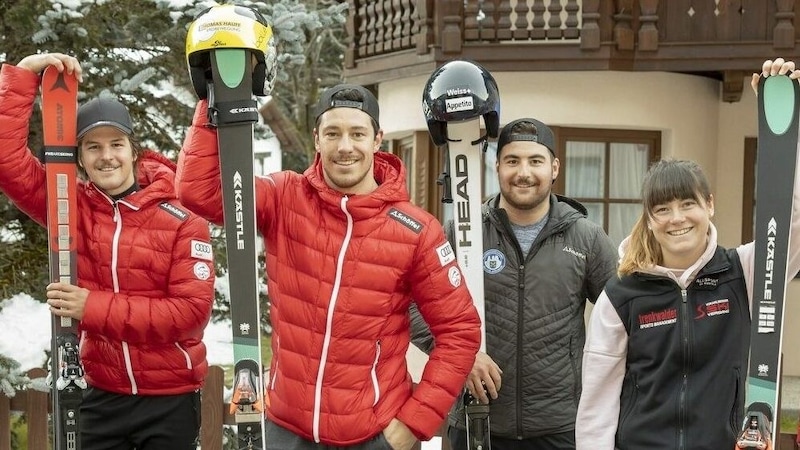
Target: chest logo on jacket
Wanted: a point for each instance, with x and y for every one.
(493, 261)
(713, 308)
(658, 318)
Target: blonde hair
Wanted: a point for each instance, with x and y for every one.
(666, 180)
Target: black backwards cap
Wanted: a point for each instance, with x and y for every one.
(103, 112)
(369, 104)
(542, 134)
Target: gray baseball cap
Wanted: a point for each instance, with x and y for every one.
(103, 112)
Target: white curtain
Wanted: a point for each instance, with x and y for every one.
(584, 171)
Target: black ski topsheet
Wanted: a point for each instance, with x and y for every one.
(234, 111)
(775, 174)
(59, 121)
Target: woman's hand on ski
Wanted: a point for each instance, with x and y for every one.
(775, 67)
(37, 63)
(399, 436)
(67, 300)
(484, 378)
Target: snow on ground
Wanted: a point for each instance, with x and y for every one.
(25, 334)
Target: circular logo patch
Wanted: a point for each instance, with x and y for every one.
(201, 271)
(455, 276)
(493, 261)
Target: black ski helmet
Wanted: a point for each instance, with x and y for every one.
(460, 90)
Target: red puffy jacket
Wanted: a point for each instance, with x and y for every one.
(151, 289)
(343, 271)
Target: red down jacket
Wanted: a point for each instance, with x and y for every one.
(151, 290)
(342, 272)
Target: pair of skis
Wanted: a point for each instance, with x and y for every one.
(462, 186)
(233, 110)
(59, 117)
(775, 174)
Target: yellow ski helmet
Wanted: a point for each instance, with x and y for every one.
(230, 26)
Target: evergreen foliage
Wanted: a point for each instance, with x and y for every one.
(135, 50)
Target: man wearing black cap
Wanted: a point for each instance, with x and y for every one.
(145, 269)
(346, 254)
(542, 260)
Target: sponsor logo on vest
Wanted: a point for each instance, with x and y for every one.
(707, 282)
(174, 210)
(445, 253)
(406, 220)
(713, 308)
(658, 318)
(493, 261)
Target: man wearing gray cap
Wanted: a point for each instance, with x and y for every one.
(346, 254)
(145, 269)
(542, 260)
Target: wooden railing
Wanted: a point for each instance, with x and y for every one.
(35, 406)
(396, 38)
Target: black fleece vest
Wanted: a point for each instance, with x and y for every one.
(687, 357)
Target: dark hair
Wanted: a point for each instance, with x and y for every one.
(665, 181)
(669, 180)
(348, 95)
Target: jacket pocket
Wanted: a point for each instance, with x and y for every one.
(630, 394)
(736, 419)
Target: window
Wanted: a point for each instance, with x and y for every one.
(604, 169)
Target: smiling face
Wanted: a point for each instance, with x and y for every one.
(347, 142)
(681, 229)
(526, 171)
(108, 158)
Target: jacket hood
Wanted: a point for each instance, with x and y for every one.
(389, 172)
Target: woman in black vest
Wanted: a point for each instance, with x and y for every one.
(666, 355)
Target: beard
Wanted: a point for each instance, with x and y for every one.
(527, 201)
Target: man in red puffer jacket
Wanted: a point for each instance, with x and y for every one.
(145, 269)
(346, 254)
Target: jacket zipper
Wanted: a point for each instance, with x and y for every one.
(115, 280)
(329, 319)
(685, 320)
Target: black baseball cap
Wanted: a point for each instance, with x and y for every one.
(369, 104)
(542, 134)
(103, 112)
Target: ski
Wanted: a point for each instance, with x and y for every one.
(233, 110)
(59, 121)
(775, 174)
(463, 190)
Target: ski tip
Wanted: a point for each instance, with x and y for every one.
(54, 80)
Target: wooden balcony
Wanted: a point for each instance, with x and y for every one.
(724, 39)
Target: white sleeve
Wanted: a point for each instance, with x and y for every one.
(603, 371)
